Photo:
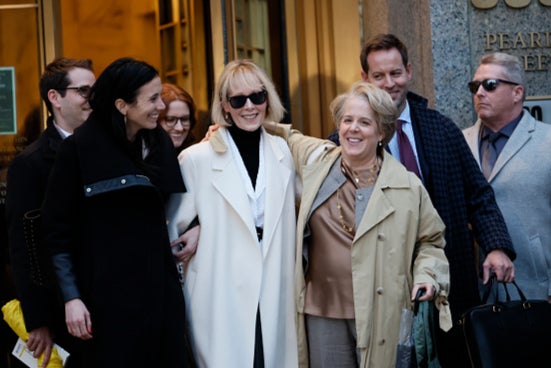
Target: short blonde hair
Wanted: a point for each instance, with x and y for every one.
(514, 70)
(380, 102)
(245, 73)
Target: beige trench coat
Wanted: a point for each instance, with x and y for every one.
(399, 242)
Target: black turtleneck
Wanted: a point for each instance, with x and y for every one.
(248, 144)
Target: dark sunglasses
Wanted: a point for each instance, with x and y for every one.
(488, 84)
(257, 98)
(83, 91)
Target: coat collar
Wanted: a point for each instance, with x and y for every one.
(521, 135)
(102, 157)
(54, 139)
(392, 176)
(226, 178)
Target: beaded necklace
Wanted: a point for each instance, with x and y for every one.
(373, 173)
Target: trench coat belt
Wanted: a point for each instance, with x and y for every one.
(259, 232)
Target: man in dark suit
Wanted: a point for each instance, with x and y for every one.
(457, 188)
(64, 87)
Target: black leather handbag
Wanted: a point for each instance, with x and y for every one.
(510, 333)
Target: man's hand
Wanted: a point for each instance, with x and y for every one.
(78, 319)
(40, 341)
(501, 264)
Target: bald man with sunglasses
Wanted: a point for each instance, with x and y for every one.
(513, 151)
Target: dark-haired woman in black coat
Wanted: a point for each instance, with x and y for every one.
(105, 228)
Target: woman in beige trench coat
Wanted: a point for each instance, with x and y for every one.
(368, 238)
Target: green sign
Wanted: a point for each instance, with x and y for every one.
(8, 124)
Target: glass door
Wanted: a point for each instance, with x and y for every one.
(20, 105)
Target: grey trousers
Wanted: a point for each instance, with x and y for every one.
(332, 342)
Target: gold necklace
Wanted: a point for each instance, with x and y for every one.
(373, 174)
(345, 227)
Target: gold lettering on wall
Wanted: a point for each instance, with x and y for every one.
(536, 63)
(484, 4)
(535, 46)
(519, 40)
(515, 4)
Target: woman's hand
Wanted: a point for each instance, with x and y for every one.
(212, 128)
(429, 291)
(78, 319)
(190, 240)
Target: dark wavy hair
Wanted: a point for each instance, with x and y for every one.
(122, 79)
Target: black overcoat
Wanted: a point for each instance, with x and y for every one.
(27, 178)
(107, 214)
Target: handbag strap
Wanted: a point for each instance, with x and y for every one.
(494, 285)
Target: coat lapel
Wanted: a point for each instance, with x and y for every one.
(471, 136)
(518, 139)
(379, 207)
(313, 177)
(278, 176)
(226, 178)
(521, 135)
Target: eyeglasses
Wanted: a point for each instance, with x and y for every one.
(83, 91)
(488, 84)
(171, 121)
(257, 98)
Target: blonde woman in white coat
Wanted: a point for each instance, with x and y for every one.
(239, 285)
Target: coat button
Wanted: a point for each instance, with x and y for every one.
(380, 291)
(88, 190)
(123, 181)
(381, 236)
(381, 342)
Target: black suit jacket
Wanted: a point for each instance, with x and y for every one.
(462, 197)
(27, 178)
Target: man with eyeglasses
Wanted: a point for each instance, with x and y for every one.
(513, 150)
(431, 145)
(64, 87)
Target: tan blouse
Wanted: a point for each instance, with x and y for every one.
(329, 279)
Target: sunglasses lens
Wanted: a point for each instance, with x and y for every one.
(258, 98)
(238, 102)
(489, 85)
(473, 86)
